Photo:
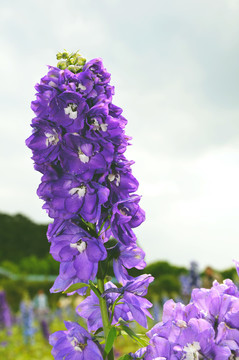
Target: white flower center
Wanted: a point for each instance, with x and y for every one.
(83, 158)
(181, 323)
(95, 123)
(79, 245)
(117, 179)
(81, 87)
(192, 351)
(113, 177)
(80, 191)
(52, 138)
(124, 211)
(104, 127)
(52, 83)
(71, 110)
(76, 345)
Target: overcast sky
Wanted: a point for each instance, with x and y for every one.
(174, 66)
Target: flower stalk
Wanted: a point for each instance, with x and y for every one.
(78, 144)
(104, 315)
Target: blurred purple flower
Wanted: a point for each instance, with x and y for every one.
(208, 327)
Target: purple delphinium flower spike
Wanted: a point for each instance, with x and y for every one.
(5, 313)
(78, 144)
(75, 343)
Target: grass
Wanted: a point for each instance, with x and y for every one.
(12, 346)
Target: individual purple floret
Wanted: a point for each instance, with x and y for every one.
(45, 141)
(127, 214)
(85, 158)
(127, 258)
(69, 195)
(75, 343)
(80, 251)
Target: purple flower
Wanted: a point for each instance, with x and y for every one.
(127, 214)
(43, 97)
(45, 141)
(75, 343)
(216, 305)
(128, 257)
(64, 280)
(100, 75)
(89, 309)
(208, 327)
(85, 158)
(237, 266)
(68, 110)
(131, 306)
(69, 195)
(78, 144)
(139, 285)
(138, 354)
(103, 126)
(5, 313)
(81, 83)
(132, 295)
(120, 181)
(80, 251)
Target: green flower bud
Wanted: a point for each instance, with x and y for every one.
(73, 62)
(80, 60)
(65, 55)
(62, 65)
(72, 68)
(59, 56)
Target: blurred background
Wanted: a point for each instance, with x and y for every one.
(174, 66)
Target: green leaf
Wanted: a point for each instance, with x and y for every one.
(95, 289)
(132, 334)
(125, 357)
(110, 340)
(75, 287)
(98, 331)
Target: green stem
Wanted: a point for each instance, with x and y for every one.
(104, 315)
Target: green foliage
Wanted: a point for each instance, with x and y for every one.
(229, 274)
(10, 266)
(20, 237)
(34, 265)
(168, 285)
(110, 341)
(160, 268)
